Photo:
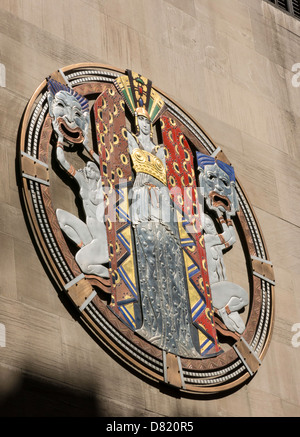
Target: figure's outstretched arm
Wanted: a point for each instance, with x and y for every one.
(90, 151)
(93, 154)
(60, 154)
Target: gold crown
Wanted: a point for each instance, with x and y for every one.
(145, 162)
(142, 111)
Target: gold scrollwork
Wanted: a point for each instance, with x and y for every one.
(122, 104)
(172, 181)
(102, 139)
(186, 155)
(109, 224)
(119, 172)
(201, 283)
(124, 132)
(176, 167)
(99, 112)
(124, 159)
(116, 139)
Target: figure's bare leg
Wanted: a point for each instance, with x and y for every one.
(73, 227)
(91, 257)
(228, 322)
(228, 298)
(236, 303)
(237, 321)
(226, 293)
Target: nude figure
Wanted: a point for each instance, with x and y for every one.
(70, 120)
(217, 181)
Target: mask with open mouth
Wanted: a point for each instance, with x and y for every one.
(219, 201)
(217, 181)
(74, 135)
(69, 111)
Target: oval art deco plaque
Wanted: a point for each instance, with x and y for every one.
(145, 227)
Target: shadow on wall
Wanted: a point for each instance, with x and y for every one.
(38, 398)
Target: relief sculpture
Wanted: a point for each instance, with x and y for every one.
(217, 181)
(164, 298)
(175, 310)
(138, 214)
(165, 309)
(70, 119)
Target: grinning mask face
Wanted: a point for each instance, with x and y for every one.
(69, 112)
(217, 181)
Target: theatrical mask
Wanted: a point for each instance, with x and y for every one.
(217, 183)
(69, 112)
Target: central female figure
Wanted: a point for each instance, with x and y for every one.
(164, 299)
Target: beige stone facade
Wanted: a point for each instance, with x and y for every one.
(232, 65)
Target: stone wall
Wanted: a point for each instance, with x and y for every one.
(229, 63)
